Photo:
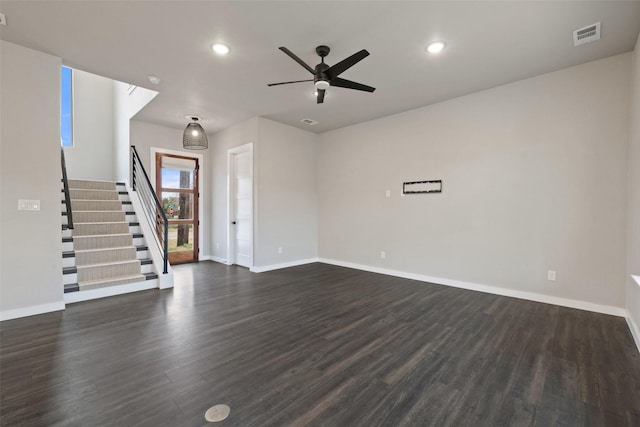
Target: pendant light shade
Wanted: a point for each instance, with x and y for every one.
(194, 137)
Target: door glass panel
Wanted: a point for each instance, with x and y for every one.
(175, 178)
(180, 237)
(177, 205)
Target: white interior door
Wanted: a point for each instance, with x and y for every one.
(242, 221)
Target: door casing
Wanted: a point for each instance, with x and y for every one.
(201, 184)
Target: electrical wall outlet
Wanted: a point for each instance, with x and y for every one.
(3, 19)
(551, 275)
(383, 254)
(387, 193)
(280, 250)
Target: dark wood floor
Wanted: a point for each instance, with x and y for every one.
(317, 345)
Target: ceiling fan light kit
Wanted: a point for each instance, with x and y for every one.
(322, 85)
(325, 75)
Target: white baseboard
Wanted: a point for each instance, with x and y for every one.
(218, 259)
(547, 299)
(283, 265)
(31, 311)
(110, 291)
(635, 331)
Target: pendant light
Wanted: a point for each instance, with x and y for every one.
(194, 137)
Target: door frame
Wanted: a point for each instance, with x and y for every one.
(201, 185)
(231, 244)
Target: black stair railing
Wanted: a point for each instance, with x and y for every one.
(152, 206)
(65, 186)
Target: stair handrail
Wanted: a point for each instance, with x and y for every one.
(65, 186)
(152, 207)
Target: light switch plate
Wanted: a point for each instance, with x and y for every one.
(28, 205)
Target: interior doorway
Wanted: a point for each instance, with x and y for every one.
(178, 190)
(240, 205)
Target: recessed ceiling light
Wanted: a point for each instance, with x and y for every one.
(436, 47)
(220, 49)
(153, 79)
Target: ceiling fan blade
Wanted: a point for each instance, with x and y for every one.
(286, 83)
(337, 69)
(298, 60)
(337, 81)
(320, 96)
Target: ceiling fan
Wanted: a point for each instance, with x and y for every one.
(325, 75)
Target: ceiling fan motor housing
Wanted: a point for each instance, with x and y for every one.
(321, 80)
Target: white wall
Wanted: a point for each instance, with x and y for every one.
(534, 179)
(633, 215)
(285, 191)
(126, 106)
(121, 131)
(92, 154)
(286, 194)
(145, 136)
(30, 169)
(239, 134)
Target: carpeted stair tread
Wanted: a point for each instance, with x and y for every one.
(82, 194)
(105, 255)
(81, 243)
(106, 264)
(105, 249)
(122, 280)
(86, 217)
(96, 205)
(91, 185)
(107, 271)
(100, 228)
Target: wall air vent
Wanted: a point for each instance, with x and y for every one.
(309, 122)
(588, 34)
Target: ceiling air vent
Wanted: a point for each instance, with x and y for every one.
(588, 34)
(309, 122)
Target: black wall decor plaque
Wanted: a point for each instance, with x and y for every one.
(420, 187)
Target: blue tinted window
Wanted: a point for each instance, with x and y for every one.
(66, 108)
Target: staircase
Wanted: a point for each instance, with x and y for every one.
(106, 247)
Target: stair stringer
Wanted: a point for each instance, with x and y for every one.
(165, 281)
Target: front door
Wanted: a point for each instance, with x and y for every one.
(177, 188)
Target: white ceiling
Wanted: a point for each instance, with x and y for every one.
(488, 44)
